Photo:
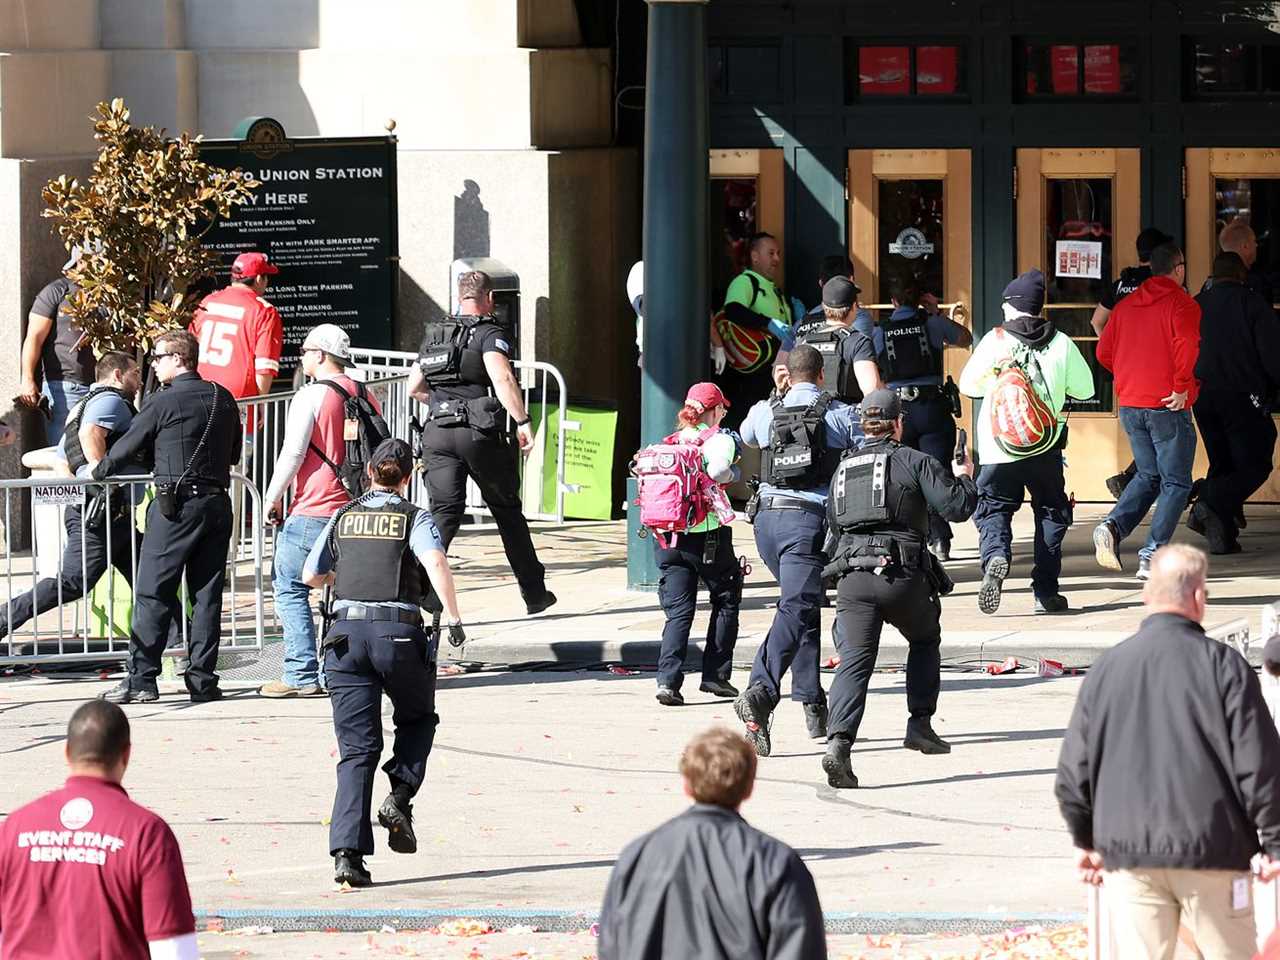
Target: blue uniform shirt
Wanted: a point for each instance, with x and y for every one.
(939, 331)
(106, 410)
(423, 539)
(843, 432)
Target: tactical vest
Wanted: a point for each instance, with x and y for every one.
(908, 354)
(873, 492)
(75, 453)
(448, 358)
(837, 372)
(797, 456)
(372, 555)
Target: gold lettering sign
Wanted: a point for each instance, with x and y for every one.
(372, 526)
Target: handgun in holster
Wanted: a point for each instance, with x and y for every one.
(415, 437)
(753, 504)
(952, 393)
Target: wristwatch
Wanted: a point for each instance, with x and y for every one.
(521, 423)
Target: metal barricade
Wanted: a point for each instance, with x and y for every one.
(83, 611)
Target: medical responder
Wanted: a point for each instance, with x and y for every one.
(878, 511)
(464, 377)
(383, 556)
(801, 437)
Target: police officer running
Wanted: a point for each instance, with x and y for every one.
(879, 507)
(801, 437)
(194, 427)
(464, 376)
(383, 556)
(848, 357)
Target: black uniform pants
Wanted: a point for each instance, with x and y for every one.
(679, 569)
(928, 426)
(865, 601)
(1240, 440)
(363, 659)
(454, 453)
(1001, 487)
(192, 545)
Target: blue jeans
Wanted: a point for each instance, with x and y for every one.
(63, 395)
(293, 599)
(1164, 446)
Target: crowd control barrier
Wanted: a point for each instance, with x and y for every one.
(95, 624)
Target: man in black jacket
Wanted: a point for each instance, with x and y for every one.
(1169, 776)
(750, 896)
(1239, 373)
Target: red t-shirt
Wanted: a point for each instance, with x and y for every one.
(317, 491)
(240, 336)
(87, 874)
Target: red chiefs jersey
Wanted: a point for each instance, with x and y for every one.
(240, 336)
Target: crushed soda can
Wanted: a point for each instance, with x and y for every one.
(1009, 665)
(1049, 668)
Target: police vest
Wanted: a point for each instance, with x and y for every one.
(797, 456)
(874, 491)
(908, 354)
(837, 371)
(75, 453)
(372, 555)
(448, 357)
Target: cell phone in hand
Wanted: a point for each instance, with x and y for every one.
(962, 446)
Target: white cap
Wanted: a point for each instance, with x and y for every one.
(333, 340)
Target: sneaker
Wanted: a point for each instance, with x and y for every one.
(547, 599)
(123, 693)
(1105, 545)
(920, 736)
(815, 719)
(1116, 484)
(670, 698)
(1144, 568)
(399, 823)
(1054, 604)
(941, 549)
(718, 688)
(348, 868)
(835, 764)
(754, 707)
(992, 582)
(279, 690)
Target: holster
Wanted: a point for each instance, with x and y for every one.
(952, 393)
(938, 576)
(450, 413)
(485, 414)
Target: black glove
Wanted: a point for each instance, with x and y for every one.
(457, 636)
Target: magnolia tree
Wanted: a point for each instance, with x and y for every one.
(138, 223)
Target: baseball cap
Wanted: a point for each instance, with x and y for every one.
(333, 340)
(839, 293)
(704, 396)
(253, 265)
(882, 404)
(397, 450)
(1149, 239)
(1026, 292)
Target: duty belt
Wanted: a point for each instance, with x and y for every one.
(792, 503)
(926, 391)
(373, 611)
(190, 488)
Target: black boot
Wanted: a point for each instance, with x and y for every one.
(755, 708)
(835, 763)
(815, 719)
(397, 817)
(348, 868)
(920, 736)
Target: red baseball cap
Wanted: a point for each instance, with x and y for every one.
(253, 265)
(704, 396)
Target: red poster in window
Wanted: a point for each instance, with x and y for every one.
(937, 70)
(884, 71)
(1102, 69)
(1064, 63)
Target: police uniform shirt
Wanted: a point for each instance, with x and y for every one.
(424, 539)
(842, 432)
(1130, 279)
(488, 337)
(107, 410)
(936, 328)
(953, 498)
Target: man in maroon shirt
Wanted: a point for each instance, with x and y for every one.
(86, 873)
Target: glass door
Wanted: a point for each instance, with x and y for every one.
(745, 197)
(1078, 212)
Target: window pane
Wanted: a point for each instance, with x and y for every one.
(884, 71)
(1109, 69)
(938, 70)
(731, 220)
(753, 72)
(1270, 69)
(1225, 67)
(1256, 201)
(1052, 69)
(910, 234)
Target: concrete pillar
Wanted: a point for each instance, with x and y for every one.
(675, 234)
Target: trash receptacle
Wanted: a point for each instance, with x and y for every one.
(506, 292)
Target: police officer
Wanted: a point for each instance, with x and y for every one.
(832, 266)
(464, 376)
(848, 357)
(383, 557)
(910, 345)
(800, 437)
(878, 511)
(193, 427)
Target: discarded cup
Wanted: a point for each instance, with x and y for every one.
(1049, 668)
(1009, 665)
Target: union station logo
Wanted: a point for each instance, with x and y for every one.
(912, 244)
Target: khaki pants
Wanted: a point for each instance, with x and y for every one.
(1146, 907)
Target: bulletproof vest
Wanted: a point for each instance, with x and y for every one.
(448, 357)
(797, 456)
(75, 453)
(874, 492)
(907, 351)
(372, 555)
(836, 371)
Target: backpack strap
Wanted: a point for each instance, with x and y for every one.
(345, 397)
(756, 290)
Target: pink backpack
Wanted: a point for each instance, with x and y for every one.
(676, 492)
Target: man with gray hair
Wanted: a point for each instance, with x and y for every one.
(1169, 776)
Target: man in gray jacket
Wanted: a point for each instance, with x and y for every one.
(1169, 777)
(706, 885)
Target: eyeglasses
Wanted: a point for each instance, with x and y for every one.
(161, 356)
